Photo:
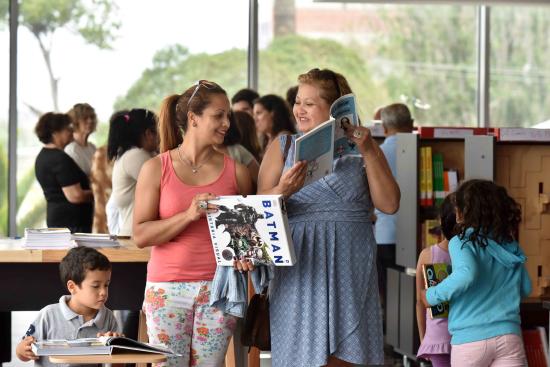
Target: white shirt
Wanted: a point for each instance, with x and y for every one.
(125, 174)
(82, 155)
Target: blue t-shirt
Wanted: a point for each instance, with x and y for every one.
(484, 290)
(385, 226)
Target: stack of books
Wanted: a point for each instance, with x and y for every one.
(96, 240)
(48, 238)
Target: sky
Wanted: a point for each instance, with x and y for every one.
(100, 76)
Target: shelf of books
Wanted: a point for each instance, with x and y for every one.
(433, 161)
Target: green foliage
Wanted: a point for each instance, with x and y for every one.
(90, 19)
(520, 71)
(174, 70)
(432, 50)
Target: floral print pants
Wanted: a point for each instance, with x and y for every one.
(179, 316)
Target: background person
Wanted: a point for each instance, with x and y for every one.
(172, 196)
(232, 147)
(243, 100)
(66, 187)
(132, 141)
(325, 309)
(84, 123)
(273, 118)
(247, 129)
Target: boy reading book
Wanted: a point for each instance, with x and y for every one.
(82, 314)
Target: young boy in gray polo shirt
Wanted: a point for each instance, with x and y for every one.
(86, 273)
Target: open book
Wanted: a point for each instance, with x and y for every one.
(94, 346)
(255, 227)
(328, 141)
(433, 275)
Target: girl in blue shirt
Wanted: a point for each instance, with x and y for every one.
(489, 279)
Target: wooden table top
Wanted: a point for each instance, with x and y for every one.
(12, 252)
(110, 359)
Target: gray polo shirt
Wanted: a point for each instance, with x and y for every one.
(58, 321)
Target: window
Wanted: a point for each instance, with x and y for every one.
(520, 66)
(141, 53)
(422, 55)
(4, 111)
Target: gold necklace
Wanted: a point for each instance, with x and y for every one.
(194, 169)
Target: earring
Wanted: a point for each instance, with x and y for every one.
(194, 124)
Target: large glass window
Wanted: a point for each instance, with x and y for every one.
(4, 110)
(520, 66)
(422, 55)
(135, 56)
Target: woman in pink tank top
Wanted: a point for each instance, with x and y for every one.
(171, 203)
(434, 333)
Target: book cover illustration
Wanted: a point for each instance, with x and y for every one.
(316, 147)
(254, 227)
(344, 112)
(433, 275)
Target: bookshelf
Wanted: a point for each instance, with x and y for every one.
(522, 167)
(471, 156)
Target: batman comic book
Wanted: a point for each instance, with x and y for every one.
(254, 227)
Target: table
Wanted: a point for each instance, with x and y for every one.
(110, 359)
(29, 280)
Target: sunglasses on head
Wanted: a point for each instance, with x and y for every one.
(205, 83)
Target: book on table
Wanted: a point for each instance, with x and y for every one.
(96, 346)
(433, 275)
(328, 141)
(48, 238)
(254, 227)
(96, 240)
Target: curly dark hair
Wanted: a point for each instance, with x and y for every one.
(487, 211)
(50, 123)
(80, 260)
(447, 216)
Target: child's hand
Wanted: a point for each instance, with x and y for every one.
(109, 333)
(424, 299)
(24, 351)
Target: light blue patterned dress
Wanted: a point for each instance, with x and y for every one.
(328, 302)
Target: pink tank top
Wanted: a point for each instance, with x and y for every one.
(437, 339)
(188, 256)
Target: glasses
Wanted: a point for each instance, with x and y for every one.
(199, 83)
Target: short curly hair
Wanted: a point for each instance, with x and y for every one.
(79, 261)
(487, 211)
(50, 123)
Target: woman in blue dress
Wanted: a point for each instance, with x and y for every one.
(325, 310)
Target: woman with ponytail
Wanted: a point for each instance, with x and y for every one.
(171, 203)
(132, 141)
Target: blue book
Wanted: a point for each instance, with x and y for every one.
(317, 148)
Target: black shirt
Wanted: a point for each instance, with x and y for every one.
(55, 169)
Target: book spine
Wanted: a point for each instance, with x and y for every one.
(423, 180)
(439, 190)
(429, 178)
